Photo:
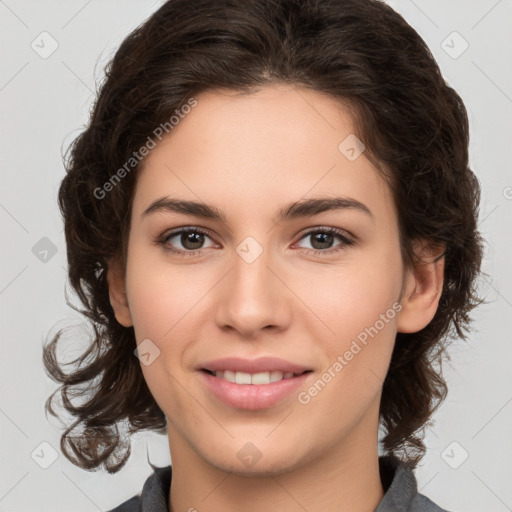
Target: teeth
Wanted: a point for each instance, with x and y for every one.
(228, 375)
(260, 378)
(276, 376)
(255, 378)
(242, 378)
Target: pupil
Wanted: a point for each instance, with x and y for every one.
(321, 238)
(189, 239)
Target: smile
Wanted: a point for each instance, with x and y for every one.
(260, 378)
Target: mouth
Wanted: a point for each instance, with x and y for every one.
(252, 384)
(249, 385)
(255, 379)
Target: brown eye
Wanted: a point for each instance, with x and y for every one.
(185, 240)
(192, 241)
(323, 240)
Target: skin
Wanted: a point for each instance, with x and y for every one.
(249, 156)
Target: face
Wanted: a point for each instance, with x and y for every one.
(309, 295)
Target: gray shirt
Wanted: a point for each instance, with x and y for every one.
(398, 482)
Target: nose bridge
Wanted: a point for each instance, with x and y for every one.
(253, 297)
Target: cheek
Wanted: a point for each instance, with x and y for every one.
(163, 304)
(162, 298)
(353, 296)
(166, 308)
(356, 363)
(358, 304)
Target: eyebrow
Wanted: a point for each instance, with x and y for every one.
(298, 209)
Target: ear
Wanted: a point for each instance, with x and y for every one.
(422, 288)
(117, 294)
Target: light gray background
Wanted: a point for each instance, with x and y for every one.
(45, 103)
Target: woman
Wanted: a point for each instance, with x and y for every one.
(271, 223)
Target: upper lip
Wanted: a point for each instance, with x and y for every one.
(262, 364)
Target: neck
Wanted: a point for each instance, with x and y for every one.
(344, 479)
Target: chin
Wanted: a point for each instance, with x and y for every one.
(265, 463)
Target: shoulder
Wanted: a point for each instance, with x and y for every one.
(423, 504)
(131, 505)
(401, 489)
(154, 496)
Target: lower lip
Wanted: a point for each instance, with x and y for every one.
(252, 396)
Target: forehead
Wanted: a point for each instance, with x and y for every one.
(269, 147)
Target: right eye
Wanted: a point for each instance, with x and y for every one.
(191, 239)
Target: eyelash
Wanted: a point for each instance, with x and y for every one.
(163, 242)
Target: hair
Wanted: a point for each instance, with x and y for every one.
(414, 128)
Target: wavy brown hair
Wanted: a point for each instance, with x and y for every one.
(414, 127)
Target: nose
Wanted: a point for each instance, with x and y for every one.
(253, 295)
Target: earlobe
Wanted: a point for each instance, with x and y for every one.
(423, 286)
(117, 295)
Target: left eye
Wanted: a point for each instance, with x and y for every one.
(322, 239)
